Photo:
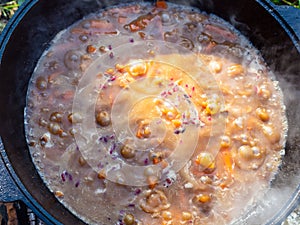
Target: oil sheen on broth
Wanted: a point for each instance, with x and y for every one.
(123, 96)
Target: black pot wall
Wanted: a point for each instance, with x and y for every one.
(32, 32)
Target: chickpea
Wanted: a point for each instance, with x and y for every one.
(41, 83)
(202, 199)
(75, 117)
(127, 152)
(167, 215)
(72, 131)
(43, 122)
(32, 143)
(215, 66)
(264, 92)
(56, 117)
(72, 60)
(63, 134)
(262, 114)
(235, 70)
(55, 128)
(271, 133)
(101, 175)
(245, 152)
(44, 139)
(225, 141)
(250, 158)
(103, 118)
(110, 71)
(186, 216)
(59, 194)
(129, 219)
(206, 161)
(83, 38)
(81, 161)
(45, 109)
(102, 49)
(212, 107)
(138, 69)
(91, 49)
(143, 131)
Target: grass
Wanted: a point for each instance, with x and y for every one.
(7, 10)
(294, 3)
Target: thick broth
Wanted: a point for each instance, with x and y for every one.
(154, 114)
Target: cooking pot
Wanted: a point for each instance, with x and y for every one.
(37, 22)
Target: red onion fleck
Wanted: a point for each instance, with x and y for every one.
(77, 184)
(146, 162)
(113, 78)
(137, 191)
(63, 178)
(112, 136)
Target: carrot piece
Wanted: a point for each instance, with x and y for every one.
(101, 24)
(91, 49)
(81, 31)
(156, 160)
(68, 94)
(227, 158)
(228, 35)
(122, 19)
(161, 4)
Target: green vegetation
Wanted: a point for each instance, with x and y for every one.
(7, 10)
(294, 3)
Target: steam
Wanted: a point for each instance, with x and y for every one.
(291, 100)
(274, 205)
(287, 181)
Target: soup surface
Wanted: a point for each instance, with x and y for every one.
(155, 114)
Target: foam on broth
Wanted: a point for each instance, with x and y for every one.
(144, 114)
